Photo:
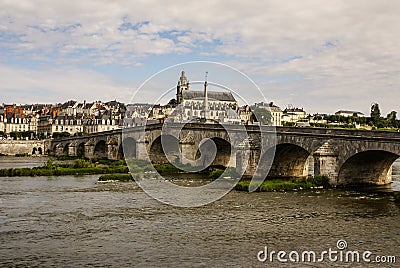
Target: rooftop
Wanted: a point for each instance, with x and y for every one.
(212, 95)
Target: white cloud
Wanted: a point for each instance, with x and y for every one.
(347, 51)
(57, 85)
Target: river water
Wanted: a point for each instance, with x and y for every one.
(72, 221)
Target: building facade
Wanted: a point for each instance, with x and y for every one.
(274, 110)
(349, 113)
(293, 115)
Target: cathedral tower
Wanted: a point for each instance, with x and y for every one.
(183, 84)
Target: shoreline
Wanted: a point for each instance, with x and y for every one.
(118, 171)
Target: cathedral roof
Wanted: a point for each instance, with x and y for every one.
(212, 95)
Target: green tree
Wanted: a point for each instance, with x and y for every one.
(15, 134)
(391, 119)
(261, 115)
(375, 111)
(57, 135)
(376, 119)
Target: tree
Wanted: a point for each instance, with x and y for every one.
(261, 115)
(391, 119)
(375, 112)
(58, 135)
(376, 115)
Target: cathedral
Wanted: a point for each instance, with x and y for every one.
(204, 104)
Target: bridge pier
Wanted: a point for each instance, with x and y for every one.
(252, 155)
(59, 150)
(89, 149)
(112, 149)
(72, 149)
(141, 149)
(325, 163)
(189, 150)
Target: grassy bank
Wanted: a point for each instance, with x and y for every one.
(79, 167)
(285, 185)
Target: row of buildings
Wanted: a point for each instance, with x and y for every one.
(75, 118)
(299, 117)
(44, 120)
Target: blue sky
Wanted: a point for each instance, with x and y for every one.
(323, 57)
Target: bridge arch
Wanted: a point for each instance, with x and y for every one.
(367, 167)
(224, 150)
(290, 161)
(80, 150)
(159, 151)
(34, 150)
(66, 149)
(54, 150)
(100, 149)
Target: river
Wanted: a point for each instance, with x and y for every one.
(72, 221)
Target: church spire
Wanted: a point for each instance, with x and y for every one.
(206, 97)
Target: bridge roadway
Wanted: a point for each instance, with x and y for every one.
(345, 156)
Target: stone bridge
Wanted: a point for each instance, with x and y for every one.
(345, 156)
(28, 147)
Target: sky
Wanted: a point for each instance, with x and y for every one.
(322, 56)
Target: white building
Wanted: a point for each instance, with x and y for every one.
(275, 111)
(2, 125)
(100, 125)
(69, 124)
(349, 113)
(293, 115)
(137, 114)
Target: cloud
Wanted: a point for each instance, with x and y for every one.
(57, 85)
(325, 56)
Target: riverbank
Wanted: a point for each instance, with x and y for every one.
(117, 169)
(140, 170)
(286, 185)
(77, 167)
